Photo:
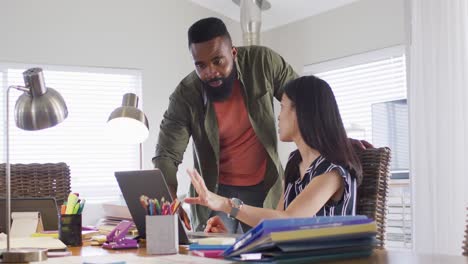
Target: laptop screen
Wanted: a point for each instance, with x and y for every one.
(151, 183)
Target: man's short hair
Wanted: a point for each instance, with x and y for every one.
(207, 29)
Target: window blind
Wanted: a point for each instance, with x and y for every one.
(358, 87)
(370, 90)
(82, 140)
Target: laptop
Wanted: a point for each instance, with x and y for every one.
(151, 183)
(47, 207)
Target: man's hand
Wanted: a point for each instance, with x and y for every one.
(215, 225)
(362, 144)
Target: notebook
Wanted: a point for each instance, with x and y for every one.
(47, 207)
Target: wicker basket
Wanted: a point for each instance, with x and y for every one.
(372, 193)
(37, 180)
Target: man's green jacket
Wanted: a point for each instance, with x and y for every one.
(262, 73)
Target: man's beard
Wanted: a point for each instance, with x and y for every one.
(222, 92)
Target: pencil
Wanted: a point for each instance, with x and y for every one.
(175, 206)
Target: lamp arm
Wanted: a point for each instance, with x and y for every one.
(7, 168)
(19, 88)
(7, 161)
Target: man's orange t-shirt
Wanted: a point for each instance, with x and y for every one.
(242, 156)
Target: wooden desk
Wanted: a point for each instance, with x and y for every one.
(87, 251)
(379, 256)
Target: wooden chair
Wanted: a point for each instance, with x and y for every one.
(465, 243)
(372, 193)
(38, 180)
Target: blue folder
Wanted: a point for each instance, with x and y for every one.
(196, 246)
(268, 226)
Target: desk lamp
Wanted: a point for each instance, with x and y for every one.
(39, 107)
(128, 123)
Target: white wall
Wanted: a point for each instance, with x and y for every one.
(142, 34)
(359, 27)
(355, 28)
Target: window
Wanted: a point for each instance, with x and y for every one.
(82, 140)
(370, 90)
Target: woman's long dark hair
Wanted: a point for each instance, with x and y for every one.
(320, 124)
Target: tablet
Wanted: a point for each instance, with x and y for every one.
(47, 207)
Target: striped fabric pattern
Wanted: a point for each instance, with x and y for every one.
(347, 204)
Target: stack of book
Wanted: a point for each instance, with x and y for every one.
(113, 215)
(302, 240)
(211, 247)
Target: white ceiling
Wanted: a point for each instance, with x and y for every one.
(282, 12)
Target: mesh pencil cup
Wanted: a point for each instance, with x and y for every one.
(70, 229)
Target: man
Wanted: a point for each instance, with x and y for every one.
(226, 106)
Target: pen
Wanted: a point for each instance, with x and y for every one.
(150, 207)
(165, 208)
(155, 207)
(168, 208)
(144, 203)
(82, 204)
(158, 206)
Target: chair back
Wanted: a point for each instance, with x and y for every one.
(372, 193)
(37, 180)
(465, 243)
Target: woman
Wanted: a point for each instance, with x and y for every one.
(321, 176)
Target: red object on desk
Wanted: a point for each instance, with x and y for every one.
(208, 253)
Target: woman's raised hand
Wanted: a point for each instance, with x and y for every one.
(205, 197)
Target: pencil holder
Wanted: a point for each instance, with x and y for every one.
(70, 229)
(162, 234)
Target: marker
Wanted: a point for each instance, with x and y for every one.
(72, 198)
(82, 204)
(63, 209)
(76, 208)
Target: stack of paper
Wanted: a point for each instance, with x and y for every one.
(113, 215)
(211, 247)
(34, 242)
(306, 239)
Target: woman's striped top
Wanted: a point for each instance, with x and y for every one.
(345, 206)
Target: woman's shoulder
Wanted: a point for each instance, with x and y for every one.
(323, 165)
